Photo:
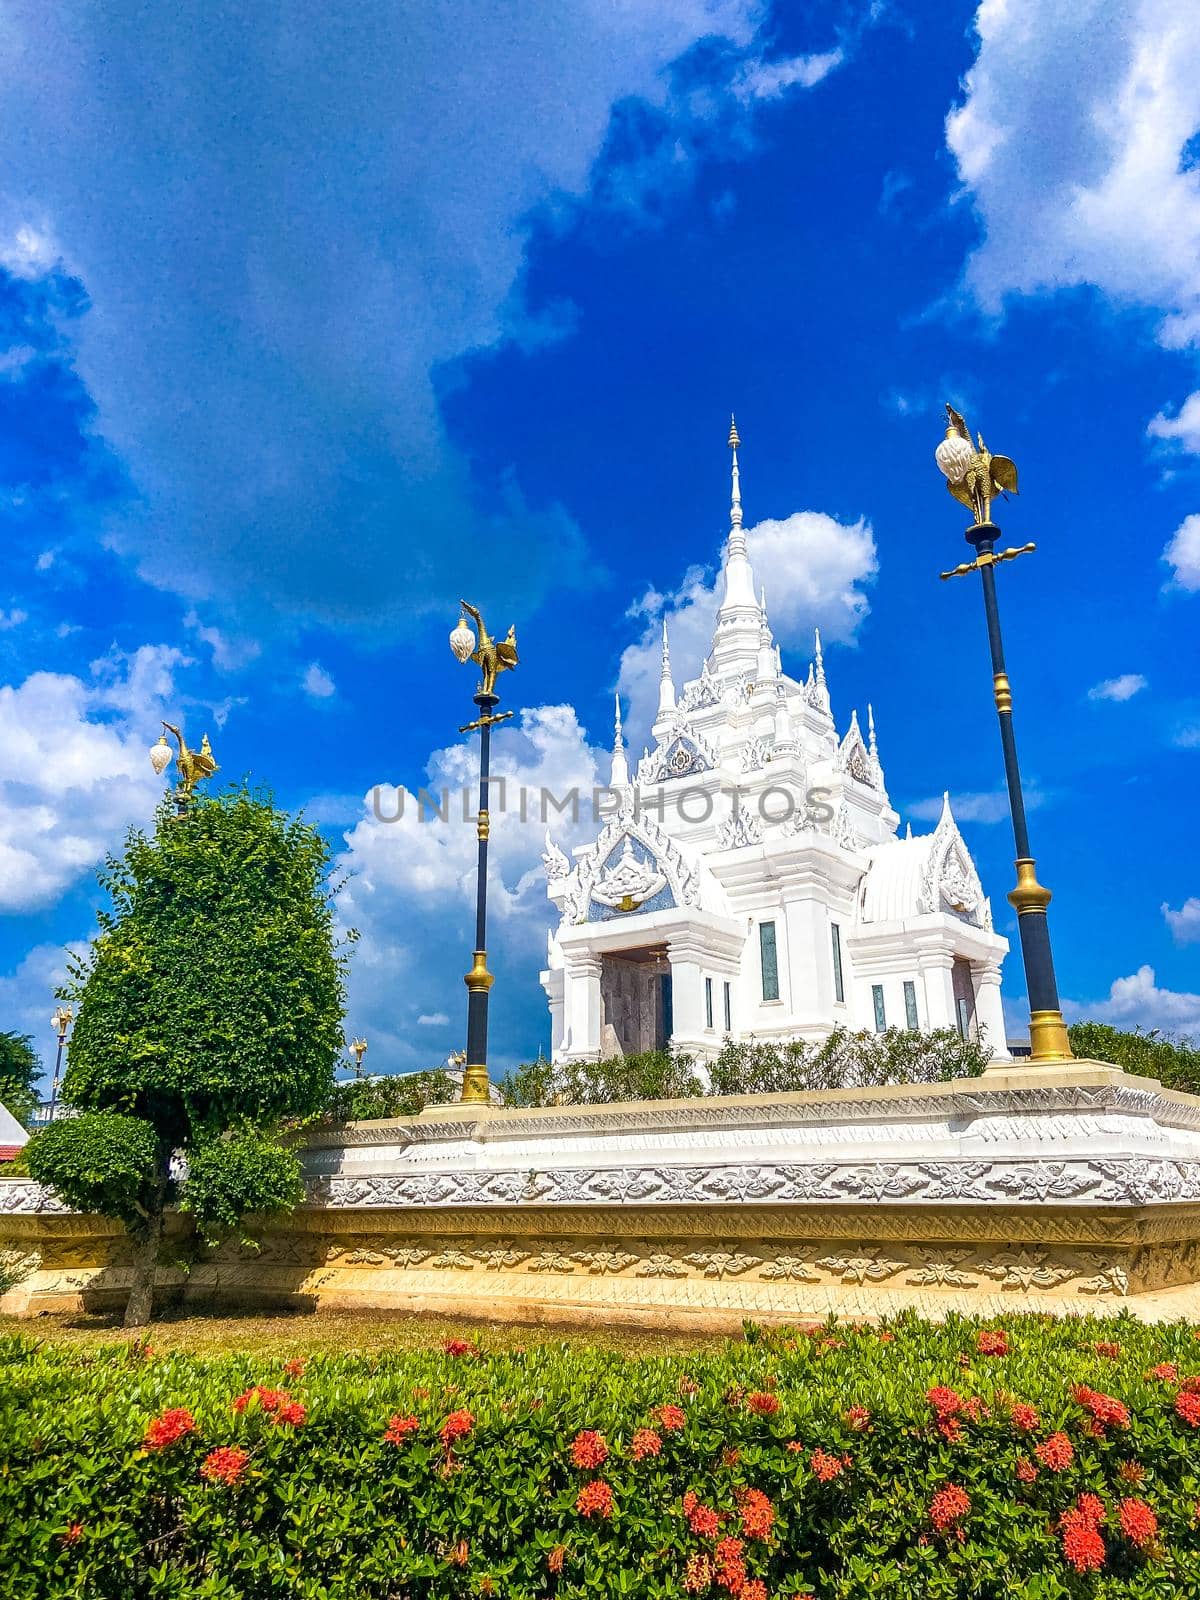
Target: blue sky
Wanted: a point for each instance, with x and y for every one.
(314, 318)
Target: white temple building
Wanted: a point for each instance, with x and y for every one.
(749, 878)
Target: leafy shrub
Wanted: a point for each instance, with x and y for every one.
(1027, 1457)
(1174, 1061)
(847, 1061)
(359, 1099)
(844, 1060)
(99, 1161)
(246, 1171)
(20, 1070)
(652, 1075)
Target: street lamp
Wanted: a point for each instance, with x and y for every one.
(358, 1049)
(975, 477)
(193, 765)
(60, 1022)
(492, 658)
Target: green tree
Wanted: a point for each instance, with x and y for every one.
(20, 1070)
(1173, 1060)
(210, 1016)
(402, 1095)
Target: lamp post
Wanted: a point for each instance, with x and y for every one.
(61, 1023)
(192, 765)
(975, 477)
(492, 658)
(358, 1049)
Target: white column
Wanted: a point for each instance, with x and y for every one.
(937, 974)
(989, 1012)
(553, 984)
(688, 1031)
(583, 1011)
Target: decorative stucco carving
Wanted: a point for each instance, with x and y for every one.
(738, 830)
(612, 871)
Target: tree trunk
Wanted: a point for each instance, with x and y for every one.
(140, 1305)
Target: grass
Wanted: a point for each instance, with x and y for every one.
(296, 1333)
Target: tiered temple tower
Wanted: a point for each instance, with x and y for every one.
(750, 879)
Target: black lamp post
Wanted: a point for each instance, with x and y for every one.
(60, 1022)
(493, 658)
(975, 477)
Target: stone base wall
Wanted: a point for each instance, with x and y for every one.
(558, 1226)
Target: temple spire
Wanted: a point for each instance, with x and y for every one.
(619, 778)
(872, 743)
(735, 644)
(666, 684)
(818, 658)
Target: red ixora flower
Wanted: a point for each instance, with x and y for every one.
(268, 1399)
(225, 1464)
(1109, 1413)
(1165, 1372)
(73, 1534)
(824, 1466)
(295, 1367)
(755, 1589)
(458, 1347)
(1082, 1544)
(168, 1429)
(456, 1426)
(1024, 1418)
(595, 1499)
(858, 1418)
(1131, 1472)
(1138, 1522)
(757, 1513)
(1057, 1452)
(948, 1507)
(703, 1521)
(589, 1450)
(697, 1575)
(1187, 1408)
(291, 1415)
(1025, 1470)
(400, 1428)
(946, 1402)
(556, 1558)
(730, 1570)
(991, 1342)
(670, 1417)
(1105, 1347)
(645, 1442)
(762, 1403)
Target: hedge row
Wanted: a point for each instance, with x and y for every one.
(1031, 1457)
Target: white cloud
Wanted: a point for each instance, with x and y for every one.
(410, 889)
(1183, 429)
(767, 80)
(1071, 140)
(228, 652)
(1187, 737)
(45, 561)
(28, 252)
(1184, 923)
(12, 619)
(1137, 1002)
(373, 173)
(1182, 554)
(317, 683)
(1122, 688)
(75, 770)
(990, 805)
(818, 568)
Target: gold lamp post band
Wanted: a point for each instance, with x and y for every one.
(492, 658)
(976, 478)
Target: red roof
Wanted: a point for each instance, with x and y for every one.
(9, 1152)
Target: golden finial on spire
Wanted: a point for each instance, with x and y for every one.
(734, 441)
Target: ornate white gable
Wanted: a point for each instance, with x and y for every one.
(949, 881)
(854, 759)
(679, 753)
(738, 830)
(632, 866)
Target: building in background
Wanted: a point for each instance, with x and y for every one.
(750, 879)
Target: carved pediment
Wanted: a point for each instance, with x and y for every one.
(680, 753)
(633, 866)
(950, 881)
